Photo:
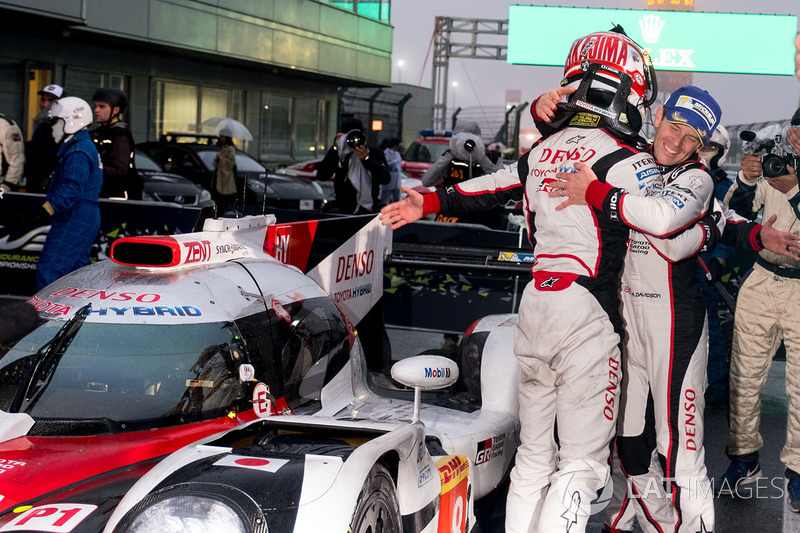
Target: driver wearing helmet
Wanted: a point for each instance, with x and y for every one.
(569, 328)
(714, 155)
(72, 201)
(665, 351)
(114, 142)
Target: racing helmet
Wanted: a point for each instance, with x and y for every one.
(720, 143)
(113, 97)
(613, 76)
(75, 114)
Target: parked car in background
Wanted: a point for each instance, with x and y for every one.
(303, 169)
(308, 169)
(192, 156)
(160, 186)
(423, 152)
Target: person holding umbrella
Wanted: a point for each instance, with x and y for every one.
(235, 129)
(223, 190)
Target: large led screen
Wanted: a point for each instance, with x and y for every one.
(683, 41)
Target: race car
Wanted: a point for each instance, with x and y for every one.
(181, 337)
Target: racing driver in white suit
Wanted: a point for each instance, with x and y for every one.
(666, 347)
(569, 328)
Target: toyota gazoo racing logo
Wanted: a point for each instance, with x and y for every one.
(576, 476)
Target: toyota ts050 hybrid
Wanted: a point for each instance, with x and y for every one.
(242, 346)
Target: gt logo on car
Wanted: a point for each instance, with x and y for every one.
(55, 518)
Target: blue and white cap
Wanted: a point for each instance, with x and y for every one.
(694, 107)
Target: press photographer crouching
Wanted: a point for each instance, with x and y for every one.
(768, 307)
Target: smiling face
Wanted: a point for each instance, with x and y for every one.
(673, 142)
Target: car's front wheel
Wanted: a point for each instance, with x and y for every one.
(378, 510)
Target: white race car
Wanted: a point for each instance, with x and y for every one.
(256, 323)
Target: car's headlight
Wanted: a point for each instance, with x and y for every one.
(204, 195)
(187, 514)
(256, 185)
(318, 187)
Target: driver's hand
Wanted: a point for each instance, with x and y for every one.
(751, 166)
(546, 104)
(777, 241)
(406, 210)
(572, 186)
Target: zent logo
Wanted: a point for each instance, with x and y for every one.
(198, 251)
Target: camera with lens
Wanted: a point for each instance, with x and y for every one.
(778, 153)
(355, 139)
(469, 145)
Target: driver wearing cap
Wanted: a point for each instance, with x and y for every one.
(40, 152)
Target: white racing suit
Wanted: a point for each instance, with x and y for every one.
(767, 311)
(569, 328)
(665, 359)
(12, 152)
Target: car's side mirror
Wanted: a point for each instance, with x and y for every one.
(425, 372)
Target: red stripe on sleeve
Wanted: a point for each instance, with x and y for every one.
(596, 193)
(430, 204)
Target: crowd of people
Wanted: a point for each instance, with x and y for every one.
(73, 168)
(612, 336)
(77, 154)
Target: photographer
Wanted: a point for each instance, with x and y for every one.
(767, 311)
(466, 159)
(356, 180)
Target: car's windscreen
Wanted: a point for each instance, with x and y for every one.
(248, 164)
(425, 152)
(144, 162)
(244, 163)
(123, 372)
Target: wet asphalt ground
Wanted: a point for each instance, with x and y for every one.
(762, 509)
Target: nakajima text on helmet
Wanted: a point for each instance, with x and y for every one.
(602, 49)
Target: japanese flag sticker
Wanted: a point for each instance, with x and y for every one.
(55, 518)
(253, 463)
